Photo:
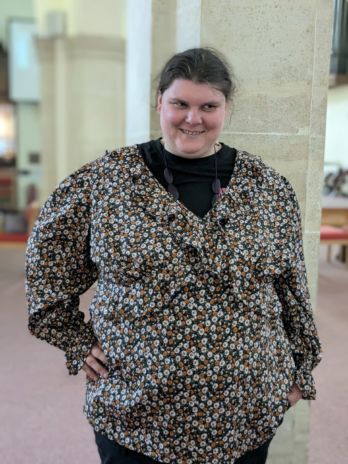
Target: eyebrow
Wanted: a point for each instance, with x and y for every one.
(211, 102)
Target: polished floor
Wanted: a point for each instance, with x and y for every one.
(41, 418)
(329, 414)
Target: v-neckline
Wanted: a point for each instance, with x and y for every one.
(177, 204)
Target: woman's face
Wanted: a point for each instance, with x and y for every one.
(192, 116)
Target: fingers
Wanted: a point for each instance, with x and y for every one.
(90, 372)
(94, 365)
(97, 352)
(294, 395)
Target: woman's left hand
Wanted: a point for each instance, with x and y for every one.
(294, 395)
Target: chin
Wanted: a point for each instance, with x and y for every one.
(196, 150)
(194, 154)
(191, 146)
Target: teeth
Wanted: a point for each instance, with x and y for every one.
(192, 132)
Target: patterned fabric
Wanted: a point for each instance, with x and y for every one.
(205, 323)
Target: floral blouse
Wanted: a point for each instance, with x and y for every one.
(205, 322)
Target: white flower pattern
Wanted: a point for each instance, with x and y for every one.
(205, 323)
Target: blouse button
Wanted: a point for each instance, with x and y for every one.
(223, 221)
(135, 178)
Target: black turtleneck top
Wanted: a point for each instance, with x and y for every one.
(192, 177)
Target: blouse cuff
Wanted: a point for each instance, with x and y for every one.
(77, 353)
(305, 382)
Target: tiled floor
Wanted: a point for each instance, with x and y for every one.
(41, 419)
(329, 414)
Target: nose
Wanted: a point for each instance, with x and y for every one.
(193, 116)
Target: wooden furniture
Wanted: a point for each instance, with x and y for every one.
(334, 236)
(334, 224)
(334, 211)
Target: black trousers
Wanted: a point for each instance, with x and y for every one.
(111, 452)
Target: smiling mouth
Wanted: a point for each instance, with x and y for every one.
(188, 132)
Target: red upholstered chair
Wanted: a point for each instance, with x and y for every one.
(330, 235)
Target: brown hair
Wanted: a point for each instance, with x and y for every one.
(201, 65)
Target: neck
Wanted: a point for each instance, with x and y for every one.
(215, 148)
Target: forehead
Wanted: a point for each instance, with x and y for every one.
(187, 90)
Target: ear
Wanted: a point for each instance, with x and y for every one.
(159, 102)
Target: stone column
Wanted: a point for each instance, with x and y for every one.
(280, 53)
(146, 54)
(188, 24)
(81, 47)
(138, 71)
(82, 107)
(164, 35)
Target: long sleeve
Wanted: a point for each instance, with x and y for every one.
(59, 269)
(292, 290)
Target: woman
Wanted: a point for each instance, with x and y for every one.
(201, 333)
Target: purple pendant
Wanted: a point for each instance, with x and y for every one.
(168, 175)
(174, 191)
(216, 185)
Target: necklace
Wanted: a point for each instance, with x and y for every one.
(169, 178)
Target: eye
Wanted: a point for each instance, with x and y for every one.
(179, 104)
(209, 107)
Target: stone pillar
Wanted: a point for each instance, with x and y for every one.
(82, 108)
(81, 47)
(138, 71)
(163, 47)
(146, 54)
(280, 53)
(188, 24)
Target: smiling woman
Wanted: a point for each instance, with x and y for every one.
(201, 333)
(192, 116)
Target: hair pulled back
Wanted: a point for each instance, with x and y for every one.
(200, 65)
